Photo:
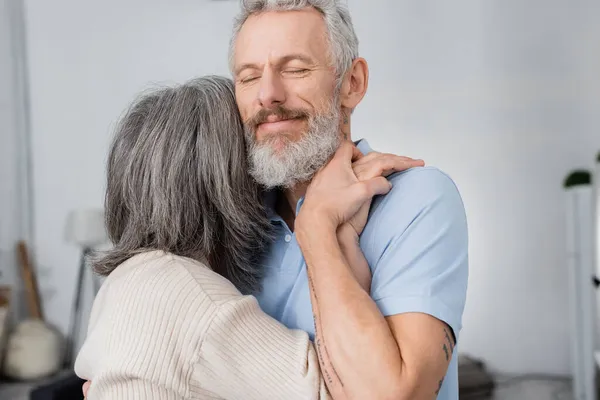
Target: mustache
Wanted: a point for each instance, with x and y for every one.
(280, 112)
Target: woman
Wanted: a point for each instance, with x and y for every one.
(188, 227)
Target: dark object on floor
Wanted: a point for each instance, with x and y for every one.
(474, 382)
(65, 388)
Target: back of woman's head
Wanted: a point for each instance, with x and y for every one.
(178, 182)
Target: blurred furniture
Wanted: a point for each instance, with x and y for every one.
(66, 388)
(62, 386)
(34, 349)
(5, 309)
(474, 381)
(84, 228)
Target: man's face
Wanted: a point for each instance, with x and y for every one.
(285, 89)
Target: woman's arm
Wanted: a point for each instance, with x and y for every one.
(249, 355)
(170, 332)
(262, 358)
(146, 324)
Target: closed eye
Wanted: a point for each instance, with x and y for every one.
(296, 71)
(248, 79)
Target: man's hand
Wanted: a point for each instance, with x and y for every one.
(368, 167)
(335, 194)
(371, 166)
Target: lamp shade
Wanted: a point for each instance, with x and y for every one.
(85, 228)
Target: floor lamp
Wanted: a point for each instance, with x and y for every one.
(580, 263)
(596, 183)
(84, 228)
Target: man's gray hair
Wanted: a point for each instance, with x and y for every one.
(178, 182)
(343, 42)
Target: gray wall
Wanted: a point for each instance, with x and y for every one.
(12, 209)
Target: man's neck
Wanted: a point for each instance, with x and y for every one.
(285, 205)
(296, 193)
(287, 201)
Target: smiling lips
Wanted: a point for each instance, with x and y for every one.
(275, 124)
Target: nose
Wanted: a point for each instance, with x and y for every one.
(272, 92)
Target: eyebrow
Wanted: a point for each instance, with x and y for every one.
(283, 60)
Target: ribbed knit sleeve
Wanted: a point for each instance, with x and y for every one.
(168, 328)
(146, 327)
(248, 355)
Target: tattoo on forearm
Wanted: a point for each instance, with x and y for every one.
(320, 345)
(450, 341)
(448, 346)
(439, 387)
(446, 351)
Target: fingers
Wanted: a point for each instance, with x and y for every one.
(372, 187)
(357, 155)
(85, 388)
(347, 152)
(383, 165)
(379, 186)
(374, 155)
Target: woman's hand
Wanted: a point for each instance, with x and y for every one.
(85, 388)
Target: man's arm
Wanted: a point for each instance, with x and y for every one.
(347, 321)
(372, 359)
(402, 357)
(420, 262)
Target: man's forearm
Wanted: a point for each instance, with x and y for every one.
(349, 244)
(350, 329)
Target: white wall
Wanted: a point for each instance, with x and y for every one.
(7, 170)
(500, 94)
(13, 224)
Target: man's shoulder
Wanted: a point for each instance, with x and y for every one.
(419, 189)
(424, 202)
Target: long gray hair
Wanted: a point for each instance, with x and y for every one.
(178, 182)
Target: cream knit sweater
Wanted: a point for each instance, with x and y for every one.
(168, 328)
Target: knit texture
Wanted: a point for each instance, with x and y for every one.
(165, 327)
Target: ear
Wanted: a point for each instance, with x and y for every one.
(355, 83)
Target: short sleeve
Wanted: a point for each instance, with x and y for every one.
(417, 246)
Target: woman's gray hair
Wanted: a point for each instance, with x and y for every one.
(343, 42)
(178, 182)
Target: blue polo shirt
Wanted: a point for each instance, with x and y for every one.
(415, 242)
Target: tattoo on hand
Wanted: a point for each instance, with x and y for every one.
(446, 351)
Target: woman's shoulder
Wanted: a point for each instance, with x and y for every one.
(151, 307)
(153, 272)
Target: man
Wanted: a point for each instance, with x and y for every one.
(298, 78)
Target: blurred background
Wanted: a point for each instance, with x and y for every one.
(504, 95)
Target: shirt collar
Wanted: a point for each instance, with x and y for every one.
(363, 146)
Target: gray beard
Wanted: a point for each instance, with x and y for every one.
(296, 162)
